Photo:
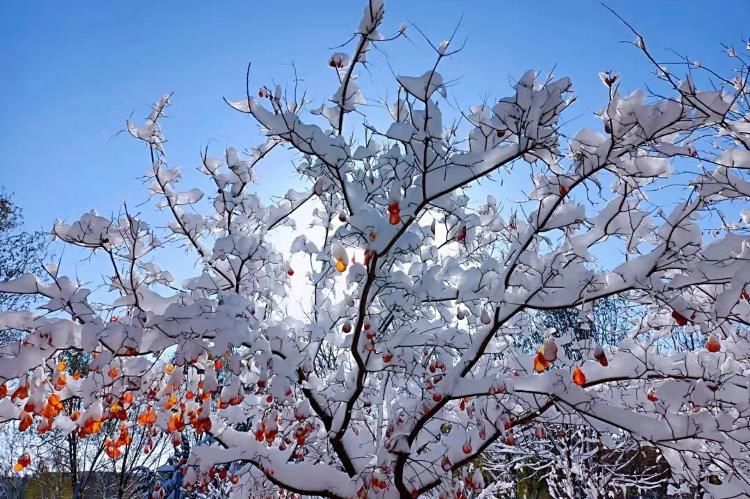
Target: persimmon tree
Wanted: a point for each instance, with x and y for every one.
(406, 362)
(118, 458)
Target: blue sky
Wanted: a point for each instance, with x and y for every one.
(75, 71)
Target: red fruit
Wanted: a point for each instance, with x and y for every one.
(22, 392)
(436, 397)
(26, 421)
(394, 213)
(510, 439)
(30, 407)
(540, 363)
(680, 319)
(368, 256)
(713, 345)
(466, 448)
(461, 234)
(578, 377)
(387, 357)
(651, 395)
(482, 432)
(176, 440)
(378, 483)
(563, 190)
(495, 389)
(600, 356)
(290, 272)
(347, 327)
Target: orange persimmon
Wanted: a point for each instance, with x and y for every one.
(579, 378)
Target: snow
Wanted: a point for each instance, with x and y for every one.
(335, 347)
(422, 87)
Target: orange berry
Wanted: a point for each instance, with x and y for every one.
(26, 421)
(540, 363)
(22, 392)
(713, 345)
(579, 378)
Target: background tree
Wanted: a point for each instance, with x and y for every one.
(411, 354)
(567, 458)
(20, 252)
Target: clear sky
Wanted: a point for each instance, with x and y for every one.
(73, 72)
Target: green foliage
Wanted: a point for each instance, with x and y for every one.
(530, 485)
(48, 485)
